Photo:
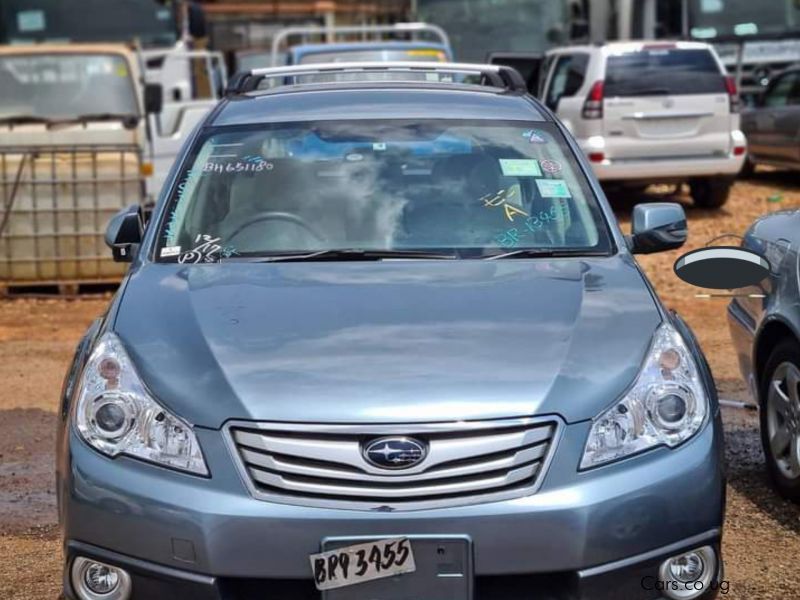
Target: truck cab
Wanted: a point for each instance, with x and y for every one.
(404, 42)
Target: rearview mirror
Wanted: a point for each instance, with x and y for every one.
(657, 227)
(153, 98)
(124, 231)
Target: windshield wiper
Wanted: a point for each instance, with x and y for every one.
(24, 120)
(129, 120)
(546, 253)
(345, 254)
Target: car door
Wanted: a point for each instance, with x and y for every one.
(789, 124)
(764, 124)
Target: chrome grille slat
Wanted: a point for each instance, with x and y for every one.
(349, 452)
(322, 465)
(269, 462)
(402, 493)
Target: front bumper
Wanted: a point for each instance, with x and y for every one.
(582, 535)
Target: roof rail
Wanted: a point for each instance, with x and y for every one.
(499, 76)
(367, 32)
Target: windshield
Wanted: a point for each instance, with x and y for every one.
(478, 27)
(65, 85)
(458, 187)
(376, 55)
(715, 18)
(663, 71)
(150, 22)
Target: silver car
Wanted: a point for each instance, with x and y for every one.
(383, 339)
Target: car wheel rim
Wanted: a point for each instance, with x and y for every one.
(783, 419)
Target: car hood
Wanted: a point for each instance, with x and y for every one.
(391, 341)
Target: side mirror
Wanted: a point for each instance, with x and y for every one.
(124, 231)
(657, 227)
(153, 98)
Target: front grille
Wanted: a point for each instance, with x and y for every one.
(323, 465)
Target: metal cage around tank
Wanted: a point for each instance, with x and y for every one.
(55, 203)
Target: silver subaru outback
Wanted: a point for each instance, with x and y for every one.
(383, 339)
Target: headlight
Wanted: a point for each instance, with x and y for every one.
(115, 414)
(666, 405)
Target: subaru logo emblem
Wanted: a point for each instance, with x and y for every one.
(394, 452)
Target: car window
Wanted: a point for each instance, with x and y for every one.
(782, 92)
(381, 185)
(663, 71)
(568, 77)
(543, 79)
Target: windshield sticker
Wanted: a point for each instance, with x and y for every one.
(171, 230)
(503, 198)
(511, 237)
(379, 146)
(551, 167)
(31, 20)
(207, 250)
(553, 188)
(534, 137)
(520, 167)
(167, 251)
(248, 164)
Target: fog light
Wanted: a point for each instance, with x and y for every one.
(688, 575)
(93, 580)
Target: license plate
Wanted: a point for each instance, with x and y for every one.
(359, 563)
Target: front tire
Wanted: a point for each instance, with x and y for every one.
(710, 192)
(780, 418)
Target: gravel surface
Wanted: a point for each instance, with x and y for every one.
(37, 338)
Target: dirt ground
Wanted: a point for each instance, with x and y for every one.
(37, 338)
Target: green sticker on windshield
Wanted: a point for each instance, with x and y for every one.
(553, 188)
(520, 167)
(30, 20)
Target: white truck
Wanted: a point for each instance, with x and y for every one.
(82, 135)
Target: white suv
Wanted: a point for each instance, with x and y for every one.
(650, 112)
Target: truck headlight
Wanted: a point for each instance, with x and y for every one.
(666, 405)
(115, 414)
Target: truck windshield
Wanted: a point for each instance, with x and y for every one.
(464, 189)
(151, 22)
(663, 72)
(478, 27)
(65, 85)
(716, 18)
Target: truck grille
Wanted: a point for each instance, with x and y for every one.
(324, 465)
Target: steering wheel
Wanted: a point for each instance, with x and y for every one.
(277, 216)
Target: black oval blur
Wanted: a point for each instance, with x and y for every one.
(721, 273)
